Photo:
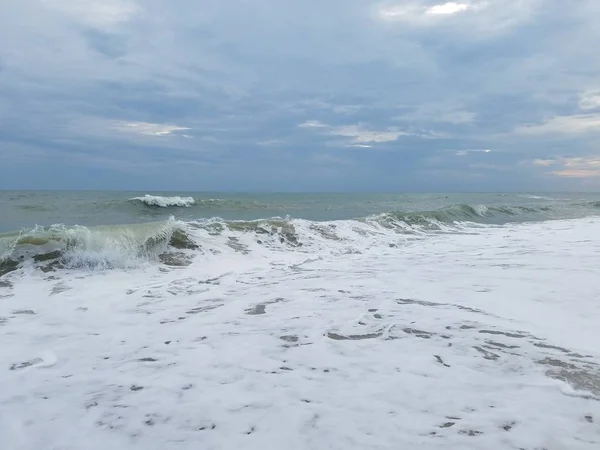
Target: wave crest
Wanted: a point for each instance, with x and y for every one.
(121, 246)
(165, 202)
(172, 242)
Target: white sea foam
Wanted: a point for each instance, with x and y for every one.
(165, 202)
(536, 197)
(485, 338)
(481, 210)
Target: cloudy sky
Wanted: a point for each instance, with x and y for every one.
(301, 95)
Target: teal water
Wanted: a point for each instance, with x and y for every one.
(120, 229)
(26, 209)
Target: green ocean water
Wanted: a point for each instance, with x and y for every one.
(25, 209)
(119, 229)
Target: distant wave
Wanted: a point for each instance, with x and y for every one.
(38, 208)
(165, 202)
(536, 197)
(157, 201)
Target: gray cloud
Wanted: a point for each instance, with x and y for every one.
(410, 84)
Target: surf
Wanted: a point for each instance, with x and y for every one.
(105, 247)
(175, 241)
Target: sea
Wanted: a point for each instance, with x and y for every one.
(182, 320)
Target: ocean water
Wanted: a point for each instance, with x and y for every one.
(372, 321)
(89, 208)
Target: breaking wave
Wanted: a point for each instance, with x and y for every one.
(157, 201)
(173, 242)
(165, 202)
(464, 213)
(121, 246)
(536, 197)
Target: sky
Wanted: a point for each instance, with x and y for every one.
(300, 95)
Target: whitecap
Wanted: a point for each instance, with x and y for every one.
(536, 197)
(165, 202)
